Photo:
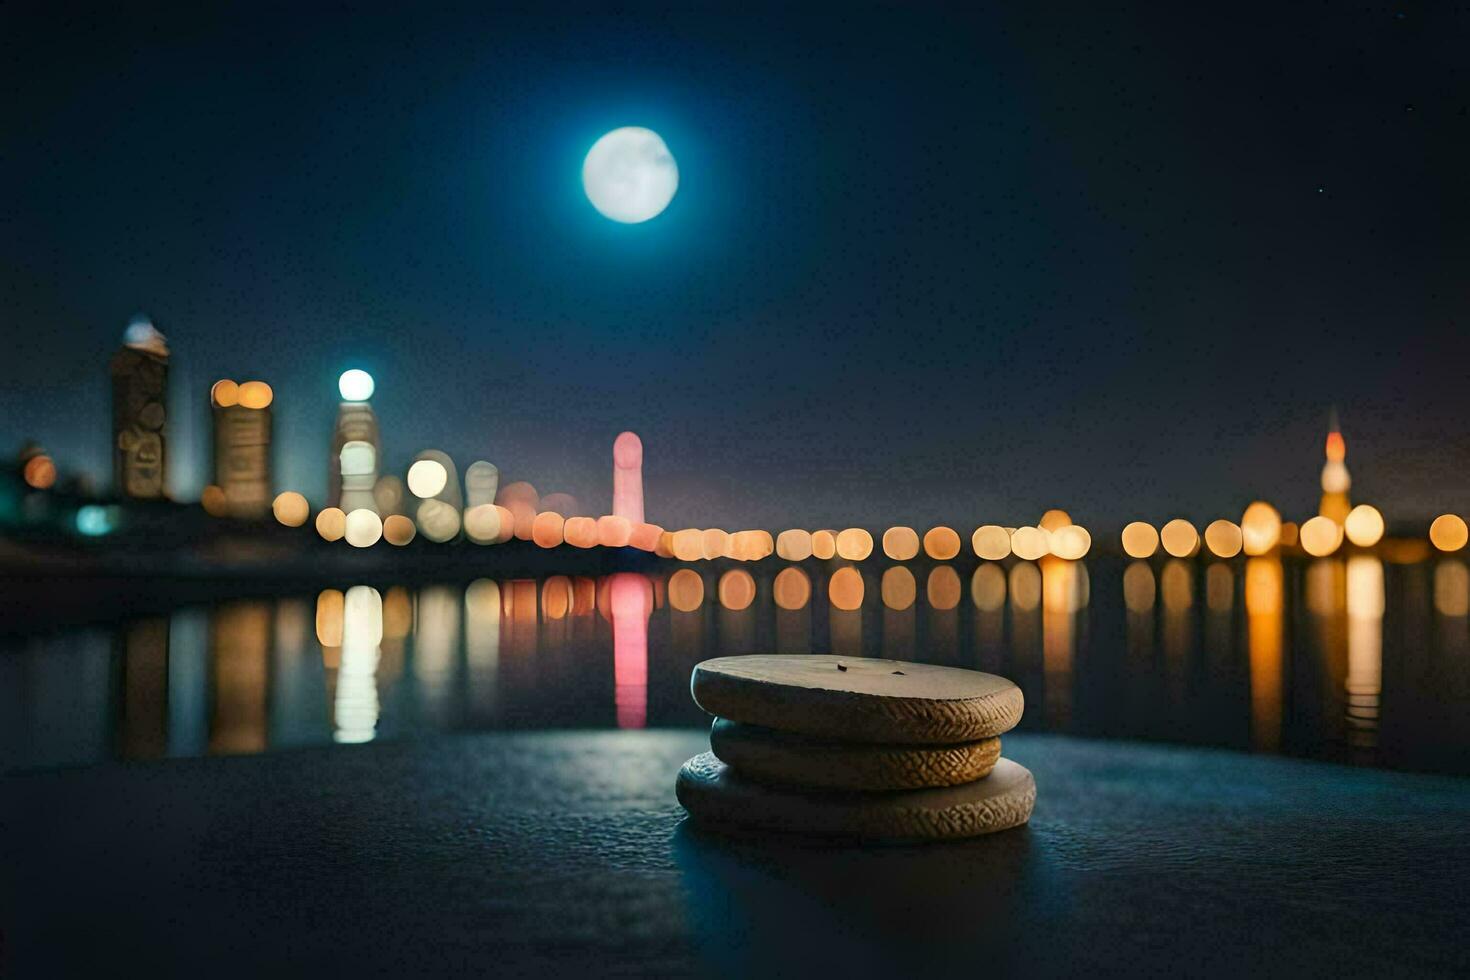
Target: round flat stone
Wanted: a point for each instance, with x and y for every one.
(768, 756)
(714, 794)
(858, 699)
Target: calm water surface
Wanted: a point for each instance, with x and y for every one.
(1345, 658)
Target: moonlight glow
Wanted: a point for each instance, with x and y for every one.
(630, 175)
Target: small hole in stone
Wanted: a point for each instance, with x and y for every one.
(900, 673)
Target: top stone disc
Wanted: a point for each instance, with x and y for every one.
(857, 698)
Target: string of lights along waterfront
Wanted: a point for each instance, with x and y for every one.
(433, 501)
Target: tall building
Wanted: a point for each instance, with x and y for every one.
(628, 478)
(352, 470)
(243, 424)
(1335, 478)
(139, 372)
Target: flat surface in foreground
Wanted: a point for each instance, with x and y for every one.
(566, 852)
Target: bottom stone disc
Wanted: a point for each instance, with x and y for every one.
(713, 793)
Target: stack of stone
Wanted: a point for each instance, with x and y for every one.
(858, 748)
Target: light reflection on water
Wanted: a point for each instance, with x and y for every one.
(1342, 657)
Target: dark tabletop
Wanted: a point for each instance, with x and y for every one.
(565, 853)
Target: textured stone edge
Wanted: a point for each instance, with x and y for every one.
(770, 756)
(857, 717)
(847, 816)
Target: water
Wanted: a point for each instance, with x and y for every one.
(1346, 658)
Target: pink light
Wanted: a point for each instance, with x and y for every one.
(628, 477)
(630, 608)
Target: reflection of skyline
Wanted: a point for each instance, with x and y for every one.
(1301, 661)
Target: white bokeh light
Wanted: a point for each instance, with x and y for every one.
(427, 478)
(355, 385)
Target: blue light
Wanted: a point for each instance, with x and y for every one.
(95, 521)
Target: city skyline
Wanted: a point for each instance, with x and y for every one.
(921, 268)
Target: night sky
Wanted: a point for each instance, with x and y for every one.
(955, 266)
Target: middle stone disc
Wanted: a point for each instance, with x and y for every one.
(768, 756)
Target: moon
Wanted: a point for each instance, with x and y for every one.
(629, 175)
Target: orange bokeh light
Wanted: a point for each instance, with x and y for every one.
(1140, 540)
(941, 543)
(736, 589)
(845, 589)
(794, 545)
(900, 543)
(613, 531)
(40, 472)
(580, 532)
(548, 529)
(854, 544)
(1448, 532)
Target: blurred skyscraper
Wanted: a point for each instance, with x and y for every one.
(356, 446)
(242, 445)
(1335, 478)
(139, 372)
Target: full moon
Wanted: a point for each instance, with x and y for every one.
(630, 175)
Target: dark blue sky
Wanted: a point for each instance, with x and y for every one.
(922, 266)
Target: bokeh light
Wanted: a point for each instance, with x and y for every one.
(736, 589)
(1071, 542)
(482, 524)
(845, 589)
(330, 607)
(1448, 532)
(1364, 526)
(688, 544)
(1140, 540)
(941, 543)
(438, 520)
(39, 472)
(686, 590)
(898, 588)
(988, 587)
(1223, 538)
(1290, 534)
(1029, 543)
(792, 589)
(1139, 587)
(290, 508)
(1260, 529)
(1179, 538)
(548, 529)
(943, 589)
(1321, 536)
(363, 528)
(991, 542)
(1054, 520)
(331, 524)
(224, 393)
(644, 536)
(398, 530)
(95, 520)
(824, 544)
(427, 478)
(1452, 589)
(854, 544)
(613, 531)
(794, 545)
(712, 543)
(579, 532)
(355, 385)
(255, 394)
(215, 502)
(900, 543)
